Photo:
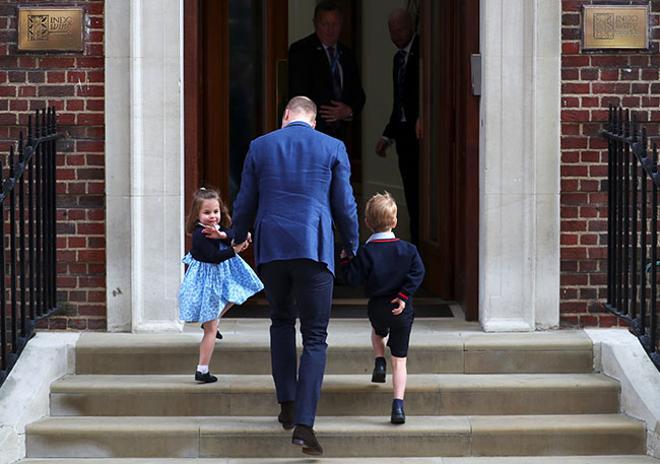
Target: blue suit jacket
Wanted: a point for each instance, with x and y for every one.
(295, 182)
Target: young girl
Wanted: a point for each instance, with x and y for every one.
(217, 277)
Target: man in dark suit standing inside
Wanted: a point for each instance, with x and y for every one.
(325, 70)
(295, 185)
(405, 112)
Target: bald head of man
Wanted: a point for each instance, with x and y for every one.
(400, 23)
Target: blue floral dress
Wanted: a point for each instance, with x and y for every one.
(209, 285)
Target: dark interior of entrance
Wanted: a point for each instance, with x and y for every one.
(236, 86)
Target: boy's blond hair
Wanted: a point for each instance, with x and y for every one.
(381, 212)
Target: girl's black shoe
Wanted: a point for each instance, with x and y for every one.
(205, 378)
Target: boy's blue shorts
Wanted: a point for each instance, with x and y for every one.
(398, 327)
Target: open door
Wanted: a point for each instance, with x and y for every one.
(449, 177)
(232, 51)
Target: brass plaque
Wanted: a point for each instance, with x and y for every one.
(50, 29)
(615, 27)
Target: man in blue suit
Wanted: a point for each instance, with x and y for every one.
(295, 185)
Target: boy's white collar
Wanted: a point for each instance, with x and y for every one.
(381, 236)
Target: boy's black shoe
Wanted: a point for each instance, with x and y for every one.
(287, 415)
(304, 436)
(398, 414)
(205, 378)
(380, 369)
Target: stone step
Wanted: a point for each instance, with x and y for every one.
(435, 348)
(629, 459)
(247, 395)
(359, 436)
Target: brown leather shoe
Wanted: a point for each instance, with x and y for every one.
(304, 436)
(287, 414)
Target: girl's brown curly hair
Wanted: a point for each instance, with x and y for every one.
(198, 198)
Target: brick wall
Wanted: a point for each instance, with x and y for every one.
(591, 80)
(74, 84)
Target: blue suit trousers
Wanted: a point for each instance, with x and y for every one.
(298, 288)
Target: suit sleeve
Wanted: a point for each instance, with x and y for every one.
(342, 201)
(414, 277)
(208, 250)
(356, 270)
(230, 233)
(389, 128)
(247, 200)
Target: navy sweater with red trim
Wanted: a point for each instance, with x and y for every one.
(387, 267)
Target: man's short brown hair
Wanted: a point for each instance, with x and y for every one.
(381, 212)
(301, 104)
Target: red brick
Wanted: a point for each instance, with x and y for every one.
(588, 102)
(609, 74)
(650, 74)
(575, 88)
(573, 142)
(96, 22)
(570, 129)
(57, 62)
(27, 62)
(589, 239)
(610, 60)
(639, 60)
(91, 228)
(638, 87)
(610, 100)
(588, 321)
(7, 91)
(631, 101)
(588, 74)
(76, 77)
(56, 77)
(648, 102)
(574, 226)
(91, 119)
(56, 91)
(94, 62)
(95, 104)
(574, 198)
(96, 76)
(574, 171)
(75, 105)
(90, 91)
(588, 266)
(616, 88)
(574, 61)
(18, 105)
(575, 115)
(95, 37)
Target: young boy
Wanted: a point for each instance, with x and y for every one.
(391, 271)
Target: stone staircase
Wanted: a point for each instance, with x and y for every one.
(469, 394)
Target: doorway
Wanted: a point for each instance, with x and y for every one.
(235, 88)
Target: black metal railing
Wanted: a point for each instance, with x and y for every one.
(632, 228)
(28, 248)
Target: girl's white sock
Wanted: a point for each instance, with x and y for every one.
(202, 369)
